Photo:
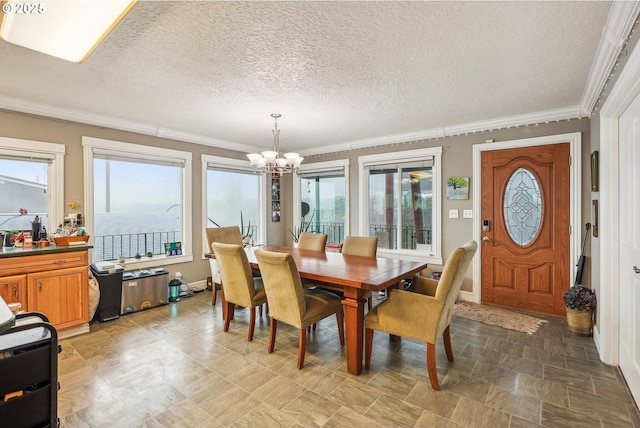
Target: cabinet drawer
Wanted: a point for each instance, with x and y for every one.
(43, 262)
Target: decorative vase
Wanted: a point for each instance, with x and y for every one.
(580, 321)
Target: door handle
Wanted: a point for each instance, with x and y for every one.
(636, 270)
(15, 291)
(486, 239)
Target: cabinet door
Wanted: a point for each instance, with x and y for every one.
(14, 289)
(62, 295)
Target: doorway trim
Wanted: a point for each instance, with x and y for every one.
(575, 141)
(625, 90)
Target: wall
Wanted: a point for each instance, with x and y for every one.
(593, 248)
(456, 161)
(22, 126)
(457, 152)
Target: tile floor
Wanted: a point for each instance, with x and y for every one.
(173, 366)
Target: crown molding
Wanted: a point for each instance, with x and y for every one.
(56, 112)
(622, 18)
(546, 116)
(79, 116)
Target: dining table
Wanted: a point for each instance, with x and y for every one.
(350, 275)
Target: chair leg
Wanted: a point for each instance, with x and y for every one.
(431, 366)
(272, 335)
(260, 311)
(446, 337)
(302, 347)
(315, 326)
(340, 319)
(214, 294)
(370, 303)
(368, 345)
(230, 307)
(252, 323)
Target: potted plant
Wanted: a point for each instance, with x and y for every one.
(246, 235)
(580, 302)
(298, 230)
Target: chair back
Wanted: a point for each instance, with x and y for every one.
(235, 272)
(282, 284)
(360, 246)
(226, 235)
(312, 241)
(451, 280)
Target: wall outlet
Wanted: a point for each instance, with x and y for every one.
(453, 213)
(467, 214)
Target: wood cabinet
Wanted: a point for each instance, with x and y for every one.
(54, 283)
(14, 289)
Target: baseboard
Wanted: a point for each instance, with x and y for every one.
(196, 286)
(467, 296)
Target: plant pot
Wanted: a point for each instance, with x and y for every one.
(580, 322)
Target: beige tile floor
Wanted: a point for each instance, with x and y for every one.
(173, 366)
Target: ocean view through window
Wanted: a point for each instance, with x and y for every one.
(138, 200)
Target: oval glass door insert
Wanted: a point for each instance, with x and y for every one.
(522, 207)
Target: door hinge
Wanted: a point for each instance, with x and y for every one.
(570, 160)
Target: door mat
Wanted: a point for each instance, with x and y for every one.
(499, 317)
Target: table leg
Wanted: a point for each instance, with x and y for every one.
(354, 330)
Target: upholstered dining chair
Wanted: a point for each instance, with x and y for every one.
(240, 286)
(312, 241)
(423, 312)
(226, 235)
(291, 304)
(365, 246)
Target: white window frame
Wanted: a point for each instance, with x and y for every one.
(241, 166)
(90, 144)
(409, 157)
(322, 167)
(55, 179)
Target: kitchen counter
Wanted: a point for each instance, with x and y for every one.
(52, 280)
(17, 252)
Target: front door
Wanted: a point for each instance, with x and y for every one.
(525, 214)
(629, 179)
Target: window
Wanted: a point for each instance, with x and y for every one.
(400, 202)
(138, 199)
(233, 195)
(31, 179)
(320, 197)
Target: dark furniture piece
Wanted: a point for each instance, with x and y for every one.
(29, 373)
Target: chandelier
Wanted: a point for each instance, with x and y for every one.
(270, 161)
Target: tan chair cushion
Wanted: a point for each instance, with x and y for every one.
(226, 235)
(425, 313)
(312, 241)
(288, 301)
(240, 287)
(360, 246)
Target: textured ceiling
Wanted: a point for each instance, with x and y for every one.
(337, 71)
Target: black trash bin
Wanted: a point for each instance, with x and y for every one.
(109, 277)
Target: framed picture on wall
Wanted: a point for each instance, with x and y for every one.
(275, 198)
(595, 185)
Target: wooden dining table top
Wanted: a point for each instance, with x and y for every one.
(367, 273)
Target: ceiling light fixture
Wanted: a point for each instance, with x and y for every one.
(270, 161)
(67, 29)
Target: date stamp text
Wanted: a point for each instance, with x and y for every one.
(24, 8)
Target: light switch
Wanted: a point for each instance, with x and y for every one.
(467, 214)
(453, 213)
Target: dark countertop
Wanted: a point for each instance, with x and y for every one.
(17, 252)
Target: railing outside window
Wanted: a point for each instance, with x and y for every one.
(112, 247)
(410, 234)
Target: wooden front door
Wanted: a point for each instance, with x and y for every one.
(525, 220)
